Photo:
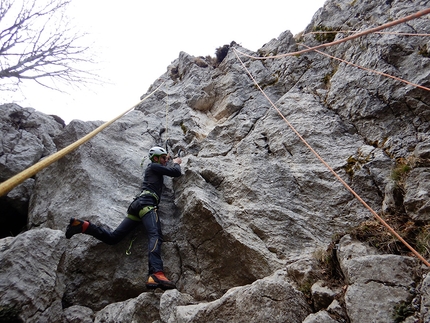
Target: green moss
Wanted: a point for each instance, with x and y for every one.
(327, 34)
(184, 128)
(402, 311)
(400, 171)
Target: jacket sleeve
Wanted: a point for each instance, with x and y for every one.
(172, 170)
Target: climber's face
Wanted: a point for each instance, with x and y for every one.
(163, 160)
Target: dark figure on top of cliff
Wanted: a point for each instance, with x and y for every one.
(142, 209)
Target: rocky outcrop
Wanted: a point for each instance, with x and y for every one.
(257, 228)
(376, 283)
(31, 288)
(27, 136)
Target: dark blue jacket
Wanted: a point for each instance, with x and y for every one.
(153, 178)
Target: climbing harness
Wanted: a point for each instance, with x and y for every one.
(145, 210)
(149, 193)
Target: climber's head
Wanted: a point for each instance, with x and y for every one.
(158, 155)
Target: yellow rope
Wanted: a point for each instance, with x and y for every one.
(14, 181)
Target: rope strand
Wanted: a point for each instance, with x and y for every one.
(370, 70)
(392, 231)
(354, 31)
(337, 42)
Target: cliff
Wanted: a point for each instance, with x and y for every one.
(257, 228)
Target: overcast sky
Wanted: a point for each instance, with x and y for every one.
(137, 40)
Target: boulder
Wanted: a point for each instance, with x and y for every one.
(30, 285)
(27, 137)
(378, 284)
(270, 299)
(322, 296)
(142, 309)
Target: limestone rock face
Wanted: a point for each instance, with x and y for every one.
(26, 137)
(245, 223)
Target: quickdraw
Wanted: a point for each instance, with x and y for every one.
(128, 251)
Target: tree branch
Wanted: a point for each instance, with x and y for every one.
(38, 44)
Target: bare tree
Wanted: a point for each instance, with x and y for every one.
(38, 43)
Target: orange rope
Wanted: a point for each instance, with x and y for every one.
(331, 169)
(370, 70)
(354, 31)
(337, 42)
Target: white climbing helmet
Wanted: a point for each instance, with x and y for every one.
(156, 151)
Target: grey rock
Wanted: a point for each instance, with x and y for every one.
(29, 281)
(377, 283)
(319, 317)
(422, 150)
(367, 268)
(417, 187)
(142, 309)
(252, 201)
(322, 296)
(374, 302)
(78, 314)
(360, 264)
(425, 299)
(270, 299)
(303, 271)
(349, 248)
(27, 136)
(336, 309)
(170, 300)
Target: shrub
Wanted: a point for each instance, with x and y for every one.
(402, 168)
(221, 53)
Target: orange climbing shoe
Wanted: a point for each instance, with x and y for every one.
(76, 226)
(158, 280)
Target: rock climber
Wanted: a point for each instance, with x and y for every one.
(142, 209)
